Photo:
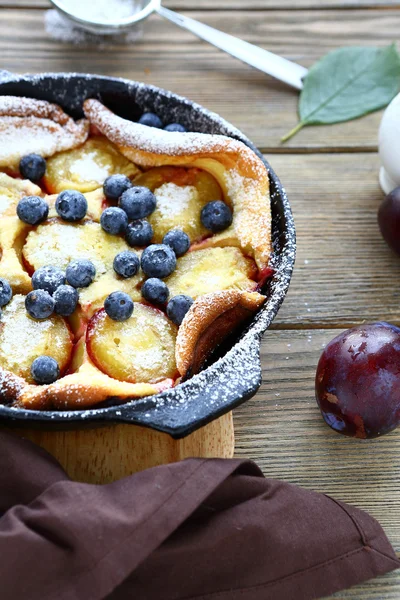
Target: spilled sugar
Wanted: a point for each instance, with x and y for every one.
(61, 29)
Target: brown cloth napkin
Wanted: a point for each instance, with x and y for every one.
(198, 529)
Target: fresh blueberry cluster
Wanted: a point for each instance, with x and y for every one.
(55, 291)
(158, 261)
(135, 203)
(70, 206)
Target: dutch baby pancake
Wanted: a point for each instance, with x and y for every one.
(128, 253)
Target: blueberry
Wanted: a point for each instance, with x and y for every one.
(66, 298)
(154, 290)
(118, 306)
(177, 308)
(32, 210)
(48, 278)
(5, 292)
(175, 127)
(115, 185)
(151, 120)
(45, 369)
(158, 260)
(178, 240)
(216, 216)
(71, 205)
(126, 264)
(138, 202)
(80, 273)
(39, 304)
(114, 220)
(32, 167)
(139, 233)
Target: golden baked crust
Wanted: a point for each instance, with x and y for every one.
(242, 176)
(84, 388)
(209, 320)
(28, 125)
(235, 259)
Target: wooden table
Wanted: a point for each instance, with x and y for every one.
(344, 275)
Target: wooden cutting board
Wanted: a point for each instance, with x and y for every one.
(106, 454)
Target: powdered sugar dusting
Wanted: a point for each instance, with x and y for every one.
(142, 348)
(23, 338)
(5, 203)
(160, 142)
(173, 199)
(87, 169)
(59, 243)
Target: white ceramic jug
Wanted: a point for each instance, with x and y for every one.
(389, 147)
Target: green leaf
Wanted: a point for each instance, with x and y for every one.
(348, 83)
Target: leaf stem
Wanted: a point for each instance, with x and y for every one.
(293, 131)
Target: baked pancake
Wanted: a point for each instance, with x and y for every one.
(127, 256)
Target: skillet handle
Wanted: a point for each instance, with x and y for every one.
(207, 396)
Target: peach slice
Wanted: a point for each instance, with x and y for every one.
(11, 192)
(13, 233)
(211, 270)
(57, 243)
(86, 168)
(22, 339)
(139, 350)
(181, 194)
(210, 319)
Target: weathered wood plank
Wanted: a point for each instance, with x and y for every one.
(344, 273)
(234, 4)
(283, 431)
(263, 108)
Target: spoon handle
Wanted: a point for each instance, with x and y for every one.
(272, 64)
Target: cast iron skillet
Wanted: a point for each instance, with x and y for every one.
(236, 375)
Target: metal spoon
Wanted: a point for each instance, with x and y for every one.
(272, 64)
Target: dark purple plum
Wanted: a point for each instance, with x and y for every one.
(357, 384)
(389, 220)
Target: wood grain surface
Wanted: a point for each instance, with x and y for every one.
(171, 58)
(184, 5)
(344, 273)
